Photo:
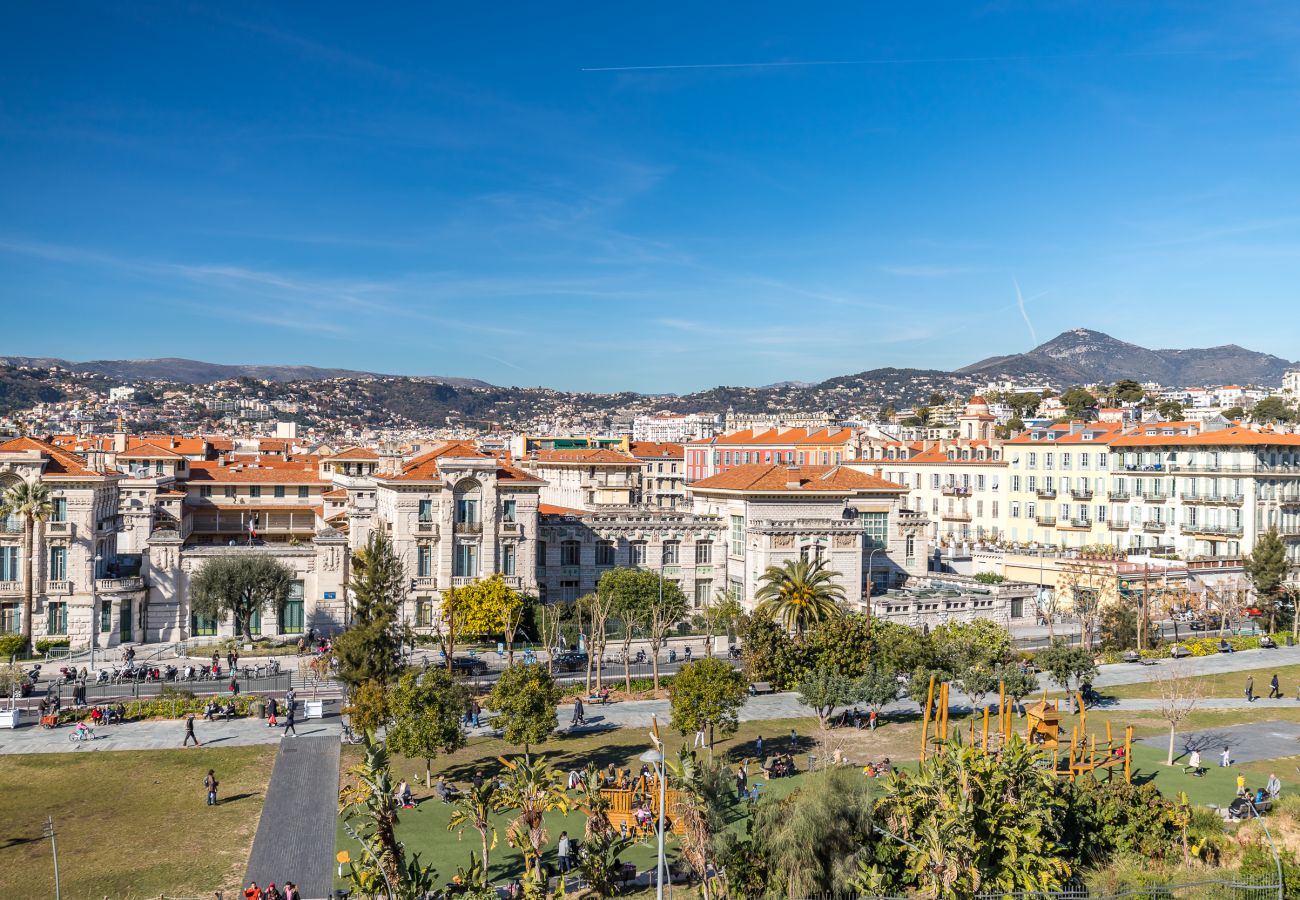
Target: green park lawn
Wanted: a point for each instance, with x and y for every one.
(130, 824)
(1223, 684)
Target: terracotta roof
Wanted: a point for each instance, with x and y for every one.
(275, 471)
(547, 509)
(364, 453)
(792, 436)
(657, 450)
(1235, 436)
(779, 479)
(585, 457)
(148, 451)
(336, 494)
(59, 462)
(1098, 433)
(425, 466)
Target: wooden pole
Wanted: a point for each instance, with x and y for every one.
(986, 729)
(1002, 699)
(925, 719)
(1110, 745)
(943, 691)
(1083, 717)
(1128, 753)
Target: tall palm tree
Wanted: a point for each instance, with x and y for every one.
(532, 789)
(30, 502)
(473, 808)
(800, 592)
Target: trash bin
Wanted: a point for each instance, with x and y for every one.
(259, 709)
(1290, 641)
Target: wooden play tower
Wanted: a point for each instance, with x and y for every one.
(1082, 755)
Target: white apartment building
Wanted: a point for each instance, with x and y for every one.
(663, 474)
(676, 429)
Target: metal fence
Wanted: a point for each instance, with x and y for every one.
(145, 690)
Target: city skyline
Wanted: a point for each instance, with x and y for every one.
(667, 204)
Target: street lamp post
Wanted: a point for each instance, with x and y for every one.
(870, 585)
(657, 758)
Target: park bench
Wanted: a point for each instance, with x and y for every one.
(1267, 643)
(761, 687)
(1179, 652)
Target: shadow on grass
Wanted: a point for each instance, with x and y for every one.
(235, 798)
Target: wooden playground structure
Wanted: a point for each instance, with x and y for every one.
(643, 795)
(1082, 755)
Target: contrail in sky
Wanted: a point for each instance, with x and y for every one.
(882, 62)
(1020, 301)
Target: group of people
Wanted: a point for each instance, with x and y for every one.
(108, 714)
(853, 717)
(1274, 689)
(271, 892)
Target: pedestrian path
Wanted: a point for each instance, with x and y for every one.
(295, 836)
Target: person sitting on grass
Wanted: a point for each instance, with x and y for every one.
(444, 790)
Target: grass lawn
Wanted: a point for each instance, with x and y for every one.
(424, 829)
(1223, 684)
(131, 824)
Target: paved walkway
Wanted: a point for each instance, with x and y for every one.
(295, 836)
(157, 734)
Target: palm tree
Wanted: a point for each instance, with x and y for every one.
(30, 502)
(800, 592)
(703, 800)
(473, 808)
(533, 789)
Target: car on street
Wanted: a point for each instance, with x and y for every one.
(573, 661)
(468, 665)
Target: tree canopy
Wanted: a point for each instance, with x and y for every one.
(487, 607)
(800, 592)
(239, 584)
(524, 699)
(370, 650)
(426, 710)
(706, 693)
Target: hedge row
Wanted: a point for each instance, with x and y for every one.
(166, 707)
(1199, 646)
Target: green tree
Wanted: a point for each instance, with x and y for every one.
(239, 583)
(706, 693)
(1119, 626)
(29, 502)
(1169, 410)
(631, 593)
(704, 791)
(800, 593)
(1267, 567)
(525, 698)
(770, 653)
(426, 710)
(899, 648)
(845, 644)
(371, 649)
(367, 805)
(531, 789)
(720, 612)
(968, 821)
(977, 682)
(367, 707)
(1234, 413)
(1025, 405)
(473, 808)
(1017, 683)
(823, 689)
(961, 646)
(1272, 409)
(1126, 390)
(1069, 667)
(1078, 401)
(877, 688)
(814, 838)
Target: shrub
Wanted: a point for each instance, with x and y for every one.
(11, 645)
(990, 578)
(177, 706)
(45, 645)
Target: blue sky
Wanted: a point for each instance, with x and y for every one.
(452, 189)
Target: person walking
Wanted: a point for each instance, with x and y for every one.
(871, 720)
(189, 732)
(577, 712)
(1250, 688)
(562, 848)
(1274, 688)
(210, 784)
(1194, 763)
(252, 892)
(1225, 758)
(291, 891)
(699, 738)
(288, 723)
(271, 708)
(1273, 786)
(758, 744)
(230, 659)
(742, 782)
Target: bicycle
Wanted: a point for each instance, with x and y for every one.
(81, 734)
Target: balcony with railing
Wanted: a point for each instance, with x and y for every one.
(468, 528)
(1214, 530)
(424, 583)
(1224, 499)
(1078, 524)
(512, 527)
(1155, 497)
(956, 515)
(426, 528)
(1154, 525)
(119, 585)
(1046, 493)
(1081, 493)
(1120, 495)
(1117, 525)
(58, 586)
(956, 490)
(463, 580)
(1045, 521)
(1289, 531)
(62, 529)
(10, 588)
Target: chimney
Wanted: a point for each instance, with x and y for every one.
(119, 439)
(792, 482)
(879, 472)
(221, 460)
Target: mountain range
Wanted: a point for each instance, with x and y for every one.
(193, 371)
(1082, 355)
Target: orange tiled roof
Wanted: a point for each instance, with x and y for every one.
(148, 451)
(591, 456)
(778, 479)
(364, 453)
(547, 509)
(336, 494)
(658, 450)
(59, 462)
(792, 436)
(935, 455)
(1234, 436)
(268, 471)
(425, 466)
